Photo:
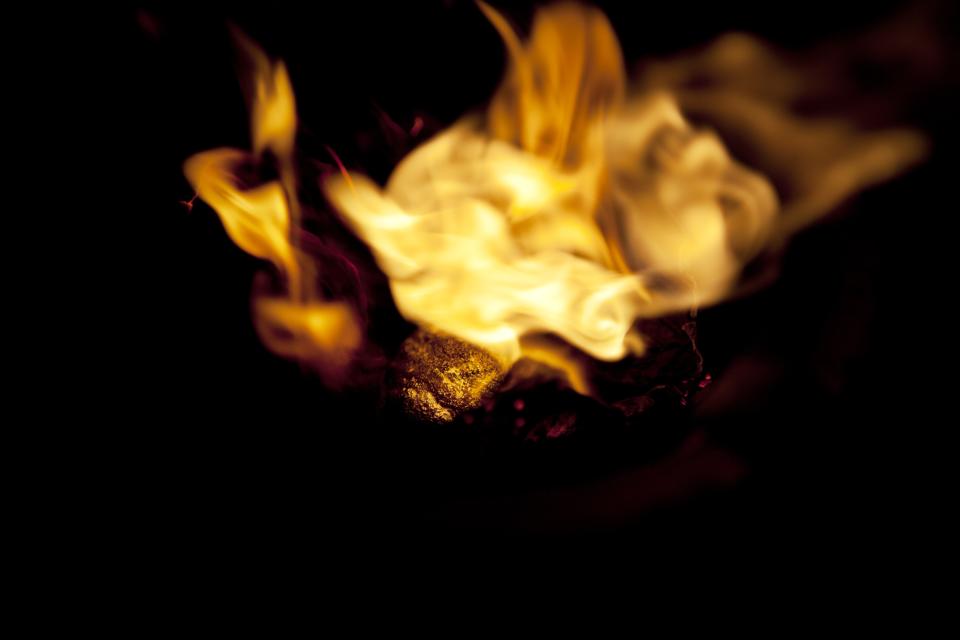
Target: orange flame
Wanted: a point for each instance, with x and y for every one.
(572, 207)
(295, 322)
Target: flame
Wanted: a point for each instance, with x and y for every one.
(569, 209)
(293, 321)
(574, 206)
(743, 86)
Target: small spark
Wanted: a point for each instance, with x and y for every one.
(343, 169)
(388, 121)
(188, 204)
(417, 126)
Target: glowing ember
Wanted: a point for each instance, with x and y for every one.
(440, 377)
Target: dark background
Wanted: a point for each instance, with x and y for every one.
(834, 374)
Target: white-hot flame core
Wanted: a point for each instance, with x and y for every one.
(568, 210)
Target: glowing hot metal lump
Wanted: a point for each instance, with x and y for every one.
(571, 207)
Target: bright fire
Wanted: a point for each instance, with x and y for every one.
(292, 319)
(569, 209)
(572, 207)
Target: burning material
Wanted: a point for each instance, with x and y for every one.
(439, 377)
(574, 207)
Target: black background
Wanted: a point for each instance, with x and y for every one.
(226, 446)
